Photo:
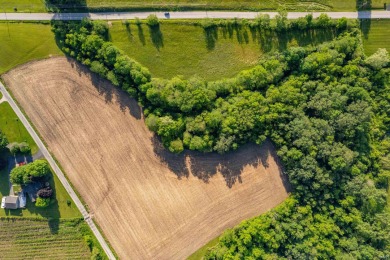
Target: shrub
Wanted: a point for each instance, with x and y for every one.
(14, 148)
(152, 20)
(46, 192)
(24, 147)
(42, 202)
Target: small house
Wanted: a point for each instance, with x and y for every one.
(10, 202)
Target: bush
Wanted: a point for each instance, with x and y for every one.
(46, 192)
(152, 20)
(24, 147)
(14, 148)
(42, 202)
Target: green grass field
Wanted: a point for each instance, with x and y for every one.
(22, 6)
(32, 239)
(292, 5)
(13, 129)
(185, 49)
(25, 42)
(378, 35)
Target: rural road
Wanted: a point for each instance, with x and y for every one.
(184, 15)
(57, 170)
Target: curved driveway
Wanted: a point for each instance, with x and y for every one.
(184, 15)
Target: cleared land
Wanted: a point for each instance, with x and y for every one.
(22, 238)
(148, 202)
(23, 42)
(187, 50)
(13, 129)
(375, 35)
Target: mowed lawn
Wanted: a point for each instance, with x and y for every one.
(188, 50)
(22, 238)
(23, 42)
(378, 35)
(13, 129)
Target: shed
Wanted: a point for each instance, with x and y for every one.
(11, 202)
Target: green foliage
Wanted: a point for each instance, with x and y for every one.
(3, 141)
(326, 109)
(152, 20)
(42, 202)
(27, 173)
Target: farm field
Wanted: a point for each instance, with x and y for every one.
(148, 202)
(13, 129)
(25, 42)
(184, 49)
(32, 238)
(377, 37)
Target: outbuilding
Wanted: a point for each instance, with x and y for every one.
(10, 202)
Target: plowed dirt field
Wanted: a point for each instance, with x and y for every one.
(150, 204)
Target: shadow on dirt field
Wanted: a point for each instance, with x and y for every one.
(205, 165)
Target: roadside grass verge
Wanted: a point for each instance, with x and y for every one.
(265, 5)
(29, 238)
(378, 35)
(23, 42)
(183, 48)
(13, 129)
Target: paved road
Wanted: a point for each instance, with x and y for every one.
(183, 15)
(57, 171)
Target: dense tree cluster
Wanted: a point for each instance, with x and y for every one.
(30, 172)
(326, 108)
(329, 118)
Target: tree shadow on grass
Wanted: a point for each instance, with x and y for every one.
(141, 35)
(211, 37)
(107, 90)
(156, 36)
(205, 166)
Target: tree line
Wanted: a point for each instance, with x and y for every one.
(326, 108)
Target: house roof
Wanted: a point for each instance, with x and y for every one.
(11, 202)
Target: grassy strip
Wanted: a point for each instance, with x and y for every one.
(182, 48)
(292, 5)
(375, 35)
(13, 129)
(23, 42)
(200, 253)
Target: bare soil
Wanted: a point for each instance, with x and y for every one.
(150, 204)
